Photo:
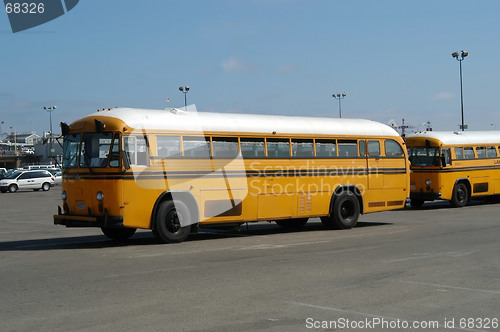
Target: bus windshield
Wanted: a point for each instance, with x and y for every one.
(424, 156)
(92, 150)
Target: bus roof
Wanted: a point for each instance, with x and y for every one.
(460, 137)
(178, 120)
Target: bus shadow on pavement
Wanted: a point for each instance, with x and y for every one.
(434, 205)
(142, 238)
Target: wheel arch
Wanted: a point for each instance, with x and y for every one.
(185, 196)
(467, 184)
(347, 188)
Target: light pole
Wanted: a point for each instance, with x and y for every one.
(460, 58)
(50, 109)
(15, 141)
(339, 96)
(184, 90)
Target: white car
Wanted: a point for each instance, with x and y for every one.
(58, 178)
(35, 180)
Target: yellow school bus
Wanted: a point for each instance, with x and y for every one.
(173, 171)
(453, 166)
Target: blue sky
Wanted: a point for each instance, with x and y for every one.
(392, 58)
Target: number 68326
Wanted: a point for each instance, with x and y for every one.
(25, 8)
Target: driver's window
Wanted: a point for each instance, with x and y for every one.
(446, 156)
(136, 149)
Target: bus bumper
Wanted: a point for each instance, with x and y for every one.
(105, 221)
(425, 196)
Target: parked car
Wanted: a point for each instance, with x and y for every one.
(35, 180)
(58, 178)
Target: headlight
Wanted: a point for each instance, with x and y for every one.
(64, 195)
(428, 182)
(100, 196)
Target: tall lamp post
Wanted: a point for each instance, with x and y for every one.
(50, 109)
(15, 141)
(339, 96)
(184, 90)
(460, 57)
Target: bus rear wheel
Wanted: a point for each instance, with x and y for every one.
(167, 227)
(460, 195)
(295, 223)
(118, 234)
(416, 203)
(345, 212)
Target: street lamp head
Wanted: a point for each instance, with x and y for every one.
(187, 88)
(464, 53)
(344, 94)
(181, 88)
(454, 54)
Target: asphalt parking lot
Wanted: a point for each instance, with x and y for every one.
(437, 269)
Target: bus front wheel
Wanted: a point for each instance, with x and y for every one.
(460, 195)
(167, 227)
(345, 212)
(118, 234)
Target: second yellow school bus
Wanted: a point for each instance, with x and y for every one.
(173, 171)
(454, 166)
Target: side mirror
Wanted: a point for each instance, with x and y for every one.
(443, 161)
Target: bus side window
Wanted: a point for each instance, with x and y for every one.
(302, 148)
(252, 147)
(491, 152)
(374, 148)
(481, 152)
(393, 149)
(469, 152)
(225, 147)
(325, 148)
(459, 153)
(278, 148)
(196, 147)
(348, 148)
(168, 146)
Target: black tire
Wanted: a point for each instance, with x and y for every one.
(345, 212)
(167, 227)
(46, 186)
(13, 188)
(295, 223)
(118, 234)
(460, 195)
(416, 203)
